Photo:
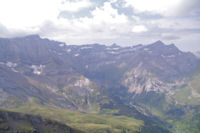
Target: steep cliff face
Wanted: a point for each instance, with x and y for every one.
(139, 80)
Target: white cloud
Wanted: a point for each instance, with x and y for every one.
(29, 14)
(75, 6)
(164, 7)
(108, 14)
(25, 14)
(105, 23)
(139, 29)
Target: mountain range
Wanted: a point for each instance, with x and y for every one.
(144, 88)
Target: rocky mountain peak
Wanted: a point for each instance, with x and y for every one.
(172, 46)
(157, 43)
(114, 45)
(33, 36)
(159, 48)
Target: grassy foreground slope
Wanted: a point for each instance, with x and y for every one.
(12, 122)
(90, 123)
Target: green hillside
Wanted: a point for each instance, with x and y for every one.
(90, 123)
(12, 122)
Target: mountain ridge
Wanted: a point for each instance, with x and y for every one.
(91, 78)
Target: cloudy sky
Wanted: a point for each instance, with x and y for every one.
(125, 22)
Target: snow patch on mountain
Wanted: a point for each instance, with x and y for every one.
(69, 50)
(82, 82)
(61, 45)
(76, 55)
(168, 56)
(11, 64)
(85, 47)
(37, 69)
